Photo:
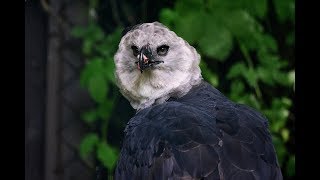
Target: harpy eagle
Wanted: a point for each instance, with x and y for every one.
(184, 128)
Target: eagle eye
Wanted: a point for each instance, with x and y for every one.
(162, 50)
(135, 50)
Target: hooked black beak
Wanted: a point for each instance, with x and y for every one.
(146, 59)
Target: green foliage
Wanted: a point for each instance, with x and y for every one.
(210, 76)
(97, 77)
(88, 144)
(260, 77)
(285, 10)
(216, 27)
(107, 155)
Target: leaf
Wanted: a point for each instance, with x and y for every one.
(291, 166)
(190, 27)
(104, 109)
(104, 49)
(254, 102)
(236, 90)
(250, 100)
(97, 33)
(278, 113)
(210, 76)
(98, 88)
(94, 67)
(107, 155)
(270, 69)
(291, 76)
(267, 42)
(168, 17)
(93, 77)
(280, 149)
(256, 7)
(285, 134)
(240, 70)
(265, 75)
(109, 70)
(216, 41)
(251, 77)
(90, 116)
(88, 144)
(285, 10)
(183, 7)
(87, 46)
(236, 70)
(109, 45)
(286, 102)
(244, 27)
(113, 40)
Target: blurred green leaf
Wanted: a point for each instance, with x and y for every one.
(291, 76)
(96, 33)
(240, 70)
(267, 43)
(244, 27)
(87, 46)
(93, 68)
(265, 75)
(278, 113)
(105, 109)
(90, 116)
(291, 166)
(255, 7)
(285, 134)
(237, 90)
(168, 17)
(286, 102)
(98, 88)
(190, 27)
(88, 144)
(109, 70)
(107, 155)
(280, 149)
(251, 100)
(285, 10)
(251, 77)
(216, 41)
(210, 76)
(184, 7)
(237, 70)
(113, 40)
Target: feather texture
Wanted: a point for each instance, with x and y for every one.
(201, 135)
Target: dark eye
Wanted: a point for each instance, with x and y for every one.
(135, 50)
(162, 50)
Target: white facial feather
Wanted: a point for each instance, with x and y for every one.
(173, 78)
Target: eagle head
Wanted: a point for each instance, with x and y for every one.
(153, 64)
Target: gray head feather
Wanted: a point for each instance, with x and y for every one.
(172, 78)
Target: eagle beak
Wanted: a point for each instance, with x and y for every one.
(146, 59)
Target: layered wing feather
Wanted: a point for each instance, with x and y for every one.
(200, 136)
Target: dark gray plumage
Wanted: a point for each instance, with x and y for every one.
(184, 128)
(202, 135)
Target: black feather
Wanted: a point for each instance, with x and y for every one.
(202, 135)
